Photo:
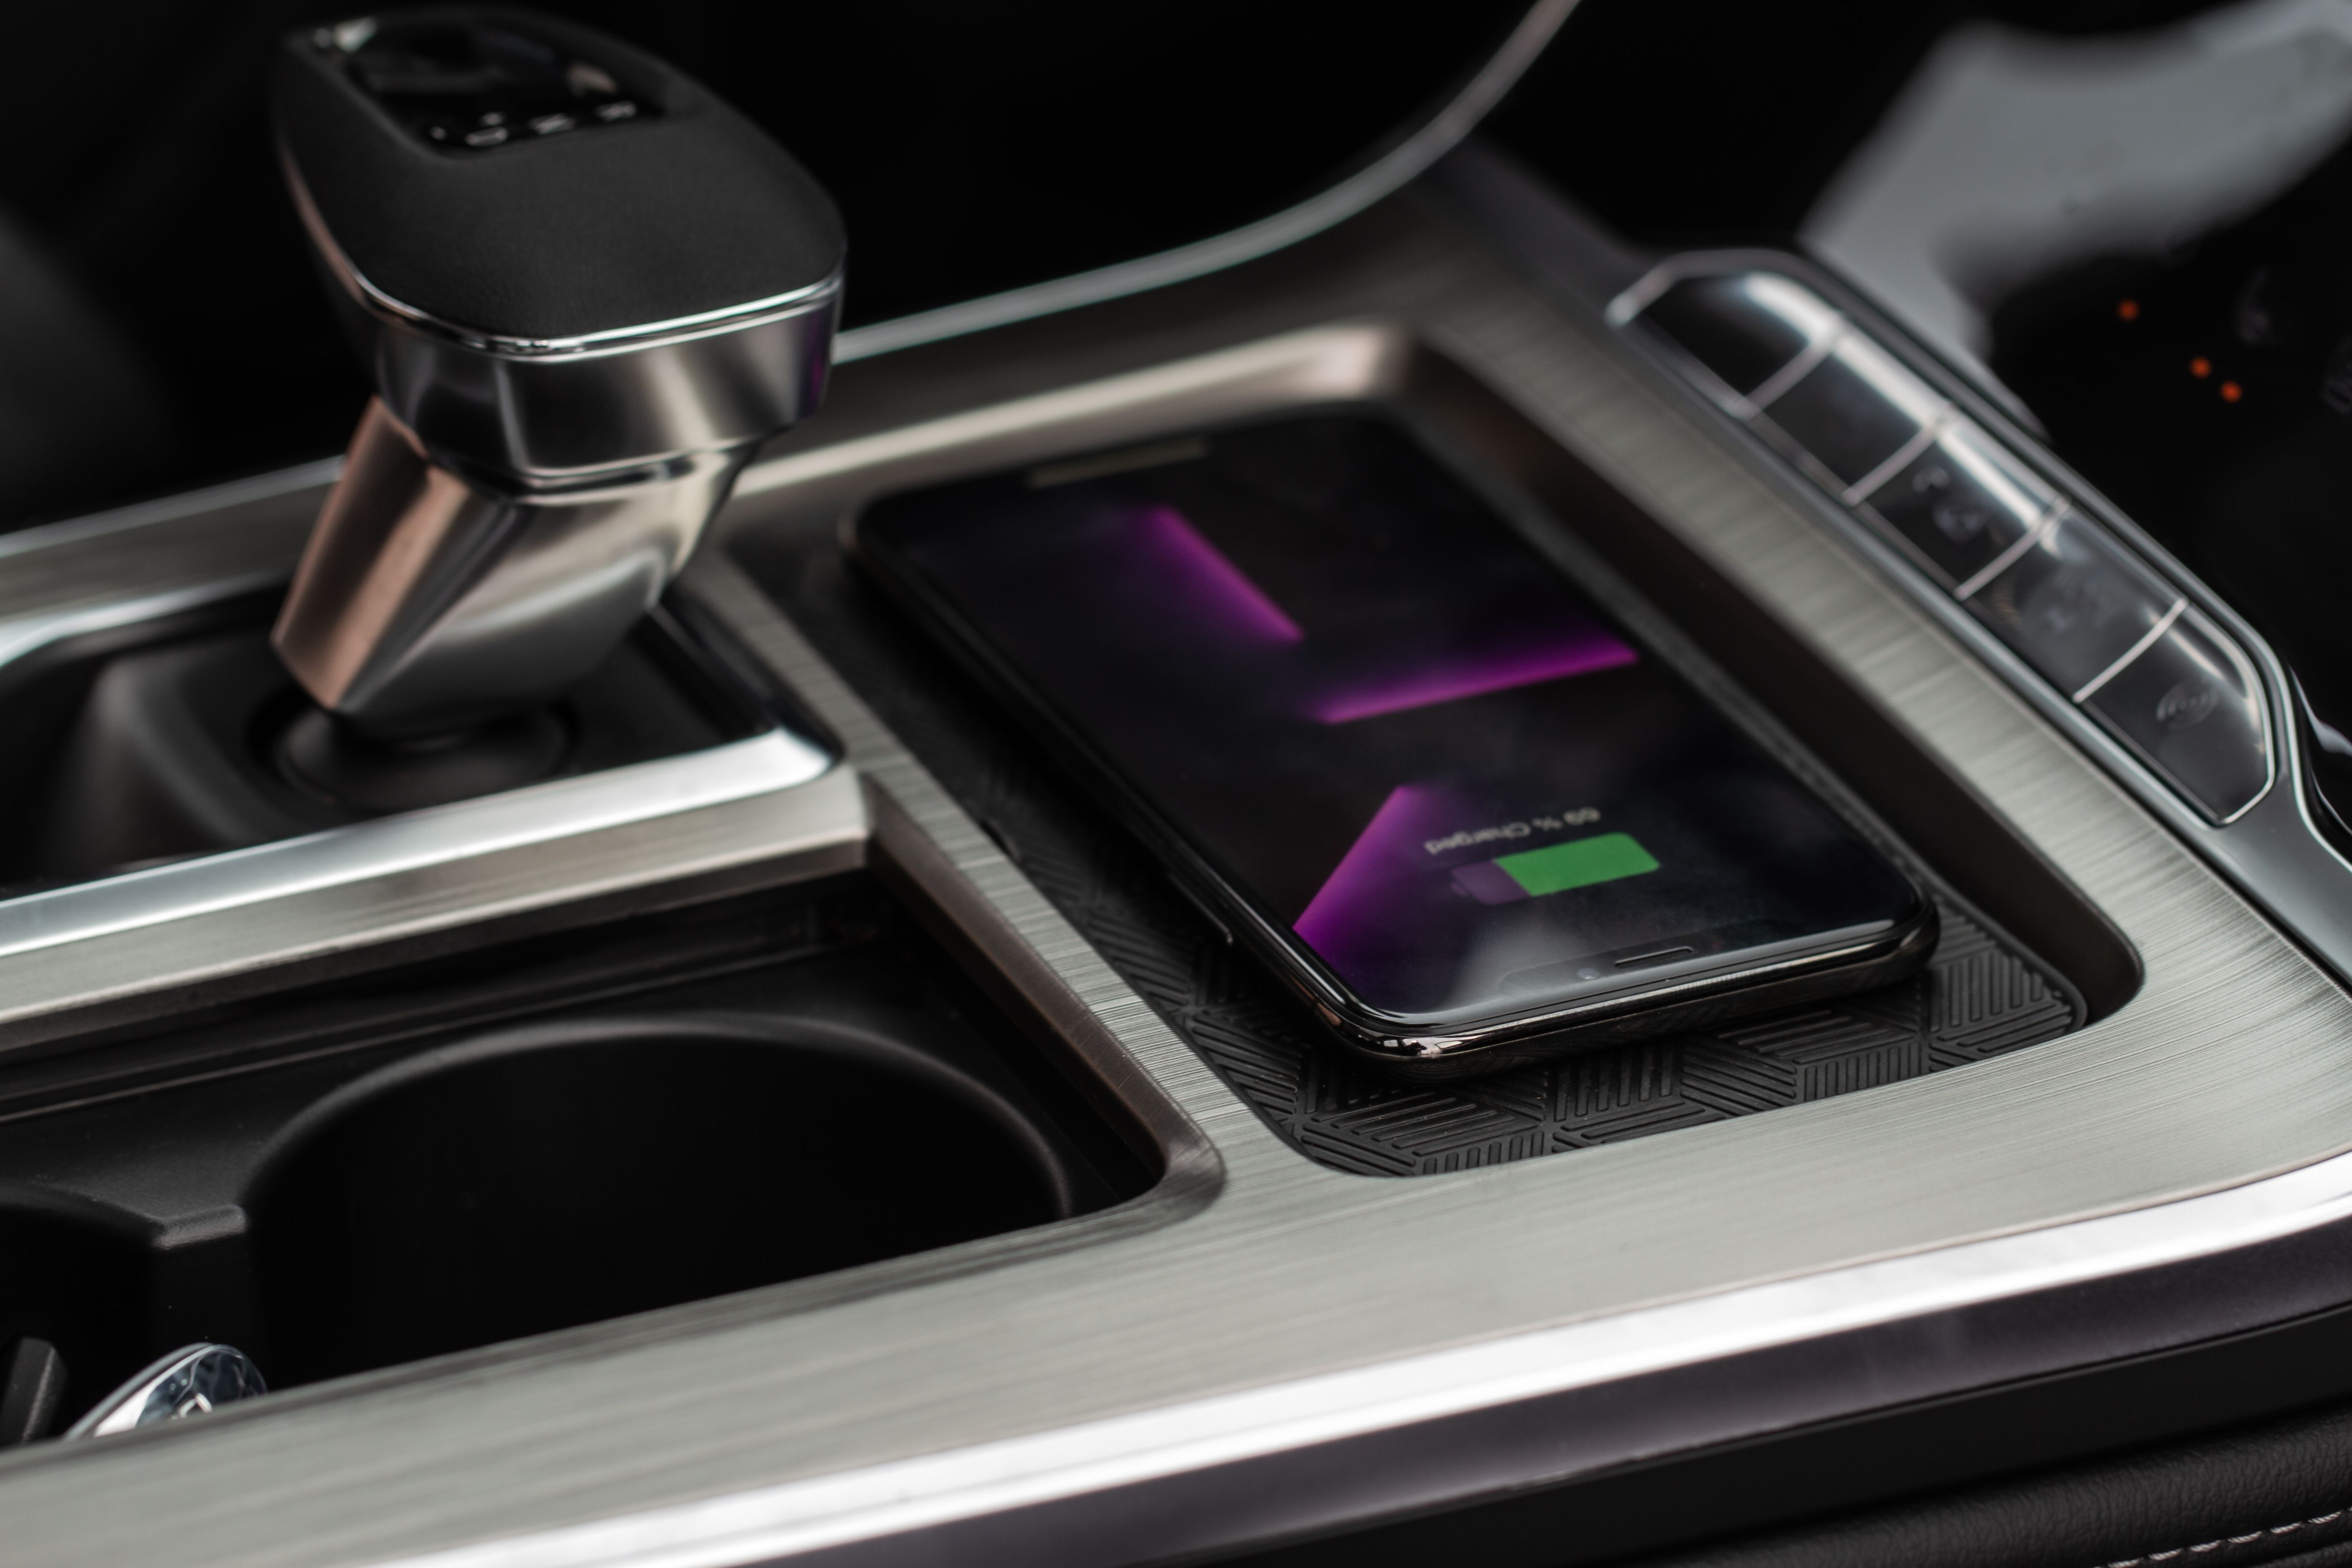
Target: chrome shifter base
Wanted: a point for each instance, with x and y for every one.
(426, 600)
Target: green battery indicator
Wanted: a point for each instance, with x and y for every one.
(1555, 868)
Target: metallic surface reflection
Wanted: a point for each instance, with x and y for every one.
(425, 600)
(194, 1379)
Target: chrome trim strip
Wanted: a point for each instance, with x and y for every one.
(798, 1516)
(317, 473)
(2146, 640)
(1334, 361)
(1808, 360)
(560, 809)
(29, 634)
(2251, 677)
(1862, 489)
(1312, 216)
(2024, 541)
(1638, 296)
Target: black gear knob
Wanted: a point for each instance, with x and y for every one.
(585, 289)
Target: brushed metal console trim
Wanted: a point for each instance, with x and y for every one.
(1275, 1358)
(309, 479)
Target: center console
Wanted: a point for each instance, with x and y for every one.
(812, 1131)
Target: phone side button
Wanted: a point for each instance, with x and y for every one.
(2189, 709)
(1201, 906)
(1660, 956)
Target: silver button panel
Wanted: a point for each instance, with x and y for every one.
(1977, 519)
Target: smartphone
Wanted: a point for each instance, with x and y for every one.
(1442, 787)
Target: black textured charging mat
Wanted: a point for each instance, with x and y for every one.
(1981, 995)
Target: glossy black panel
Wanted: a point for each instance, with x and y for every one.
(657, 218)
(1960, 503)
(471, 87)
(2073, 604)
(1854, 411)
(1722, 323)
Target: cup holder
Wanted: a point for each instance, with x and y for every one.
(557, 1175)
(567, 1128)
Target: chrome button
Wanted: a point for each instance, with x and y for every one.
(1853, 411)
(2192, 711)
(1744, 327)
(2075, 605)
(1959, 503)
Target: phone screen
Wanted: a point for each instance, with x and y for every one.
(1383, 721)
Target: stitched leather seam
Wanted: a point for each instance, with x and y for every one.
(2174, 1554)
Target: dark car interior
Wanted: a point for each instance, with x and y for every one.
(570, 994)
(970, 154)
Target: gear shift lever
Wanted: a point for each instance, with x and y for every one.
(586, 291)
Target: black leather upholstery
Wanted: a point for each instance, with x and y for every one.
(2280, 1492)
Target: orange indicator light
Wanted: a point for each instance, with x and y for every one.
(2201, 367)
(2231, 392)
(2127, 309)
